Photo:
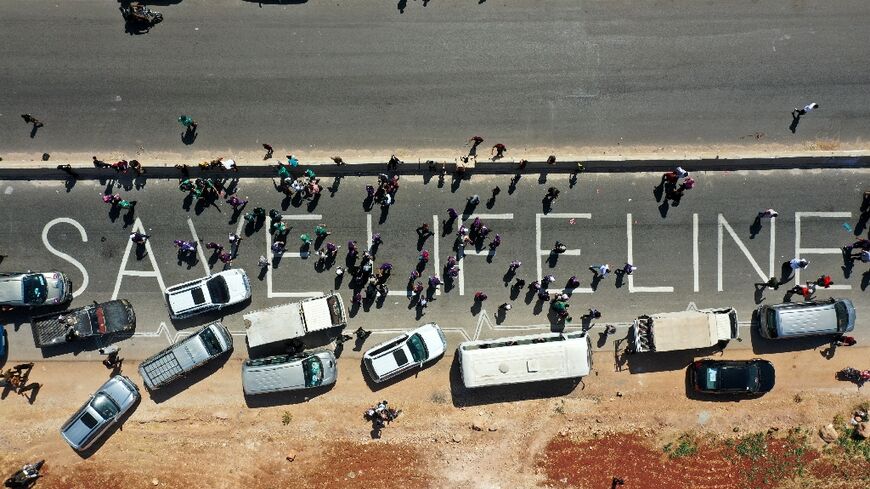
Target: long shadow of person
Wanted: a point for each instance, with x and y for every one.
(795, 120)
(401, 6)
(596, 278)
(188, 136)
(755, 227)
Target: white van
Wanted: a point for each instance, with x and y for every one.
(288, 372)
(547, 356)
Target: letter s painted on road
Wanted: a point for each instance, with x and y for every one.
(63, 255)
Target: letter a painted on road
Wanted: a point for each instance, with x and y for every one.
(122, 271)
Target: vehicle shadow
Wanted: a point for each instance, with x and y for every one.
(639, 363)
(210, 317)
(376, 386)
(286, 398)
(182, 384)
(86, 454)
(464, 397)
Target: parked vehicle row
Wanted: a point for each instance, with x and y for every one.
(482, 363)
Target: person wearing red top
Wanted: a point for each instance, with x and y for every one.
(846, 341)
(824, 281)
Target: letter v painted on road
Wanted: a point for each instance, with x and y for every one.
(122, 271)
(723, 224)
(630, 243)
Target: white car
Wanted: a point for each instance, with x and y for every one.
(406, 352)
(103, 409)
(208, 294)
(29, 289)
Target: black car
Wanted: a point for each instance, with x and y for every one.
(734, 377)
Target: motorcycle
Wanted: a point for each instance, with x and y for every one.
(854, 375)
(140, 14)
(25, 476)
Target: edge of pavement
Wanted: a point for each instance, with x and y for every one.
(23, 166)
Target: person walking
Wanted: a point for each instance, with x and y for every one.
(187, 122)
(305, 238)
(846, 341)
(474, 199)
(263, 262)
(216, 247)
(824, 281)
(423, 231)
(601, 271)
(278, 247)
(139, 238)
(772, 283)
(768, 213)
(29, 119)
(474, 141)
(498, 151)
(320, 231)
(236, 203)
(505, 307)
(796, 113)
(628, 268)
(559, 248)
(514, 265)
(112, 360)
(798, 263)
(480, 296)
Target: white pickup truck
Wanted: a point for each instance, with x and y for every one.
(684, 330)
(295, 320)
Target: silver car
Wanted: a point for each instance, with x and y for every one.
(405, 352)
(208, 294)
(27, 289)
(111, 401)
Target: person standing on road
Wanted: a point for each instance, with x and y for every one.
(769, 213)
(139, 238)
(798, 263)
(796, 113)
(601, 271)
(29, 119)
(628, 269)
(112, 359)
(263, 262)
(498, 151)
(480, 296)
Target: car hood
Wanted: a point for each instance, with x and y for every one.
(237, 284)
(121, 392)
(10, 289)
(766, 377)
(433, 339)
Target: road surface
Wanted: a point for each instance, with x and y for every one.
(361, 75)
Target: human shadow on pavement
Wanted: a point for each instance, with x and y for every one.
(795, 120)
(464, 397)
(755, 227)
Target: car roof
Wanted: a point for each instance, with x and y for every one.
(392, 360)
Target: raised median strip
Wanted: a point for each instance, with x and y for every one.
(48, 170)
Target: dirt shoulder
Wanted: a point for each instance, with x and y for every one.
(208, 436)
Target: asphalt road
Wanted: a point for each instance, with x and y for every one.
(602, 218)
(335, 75)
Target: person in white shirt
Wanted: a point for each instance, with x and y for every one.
(807, 108)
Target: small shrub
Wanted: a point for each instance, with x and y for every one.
(286, 418)
(438, 397)
(685, 446)
(797, 398)
(753, 446)
(854, 446)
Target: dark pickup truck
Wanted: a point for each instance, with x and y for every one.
(85, 322)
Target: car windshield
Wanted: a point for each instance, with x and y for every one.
(210, 341)
(35, 289)
(771, 323)
(104, 405)
(312, 367)
(842, 316)
(417, 347)
(217, 289)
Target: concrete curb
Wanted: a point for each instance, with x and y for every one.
(46, 171)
